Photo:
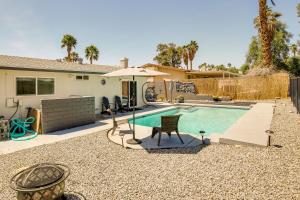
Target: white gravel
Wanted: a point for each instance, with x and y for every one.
(103, 170)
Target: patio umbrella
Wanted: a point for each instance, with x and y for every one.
(134, 72)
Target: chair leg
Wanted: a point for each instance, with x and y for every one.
(154, 131)
(169, 134)
(159, 136)
(179, 136)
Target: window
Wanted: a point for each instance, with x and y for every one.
(34, 86)
(26, 86)
(85, 77)
(45, 86)
(78, 77)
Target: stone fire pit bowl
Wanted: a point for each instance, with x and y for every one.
(44, 181)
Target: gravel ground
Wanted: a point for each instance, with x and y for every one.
(103, 170)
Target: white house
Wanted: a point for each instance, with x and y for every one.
(29, 80)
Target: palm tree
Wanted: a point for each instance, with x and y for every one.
(74, 56)
(192, 50)
(266, 31)
(69, 42)
(294, 49)
(91, 53)
(185, 56)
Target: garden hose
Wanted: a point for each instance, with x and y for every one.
(18, 124)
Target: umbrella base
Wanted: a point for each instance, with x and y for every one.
(134, 141)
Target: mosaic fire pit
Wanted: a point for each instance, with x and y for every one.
(41, 182)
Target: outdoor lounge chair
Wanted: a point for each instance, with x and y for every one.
(119, 106)
(116, 125)
(105, 106)
(168, 125)
(122, 133)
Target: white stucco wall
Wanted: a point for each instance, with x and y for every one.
(65, 85)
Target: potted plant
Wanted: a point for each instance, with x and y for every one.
(180, 99)
(216, 98)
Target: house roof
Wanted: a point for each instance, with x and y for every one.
(192, 72)
(164, 67)
(212, 73)
(37, 64)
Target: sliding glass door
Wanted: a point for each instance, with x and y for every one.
(129, 92)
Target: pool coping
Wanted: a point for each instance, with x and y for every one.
(174, 106)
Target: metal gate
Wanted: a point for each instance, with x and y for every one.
(295, 92)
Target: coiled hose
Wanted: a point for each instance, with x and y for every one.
(23, 125)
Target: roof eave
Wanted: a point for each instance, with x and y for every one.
(50, 70)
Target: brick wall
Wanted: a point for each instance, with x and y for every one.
(59, 114)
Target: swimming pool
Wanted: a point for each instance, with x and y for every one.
(194, 119)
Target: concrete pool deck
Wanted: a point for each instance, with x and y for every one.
(249, 129)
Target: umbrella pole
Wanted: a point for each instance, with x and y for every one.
(133, 140)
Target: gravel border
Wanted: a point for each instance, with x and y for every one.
(103, 170)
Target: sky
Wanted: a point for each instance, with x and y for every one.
(133, 28)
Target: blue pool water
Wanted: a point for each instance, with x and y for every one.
(212, 120)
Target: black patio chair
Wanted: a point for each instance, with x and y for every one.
(119, 106)
(168, 125)
(106, 109)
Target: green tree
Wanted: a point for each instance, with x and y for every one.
(294, 49)
(192, 50)
(69, 42)
(253, 57)
(74, 56)
(298, 12)
(298, 9)
(168, 55)
(203, 65)
(92, 53)
(244, 68)
(233, 70)
(294, 65)
(279, 45)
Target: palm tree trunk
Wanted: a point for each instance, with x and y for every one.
(69, 54)
(91, 60)
(265, 35)
(191, 64)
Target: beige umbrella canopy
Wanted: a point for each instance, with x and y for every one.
(134, 72)
(137, 72)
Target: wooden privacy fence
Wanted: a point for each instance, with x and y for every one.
(245, 88)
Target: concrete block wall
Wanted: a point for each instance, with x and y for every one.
(59, 114)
